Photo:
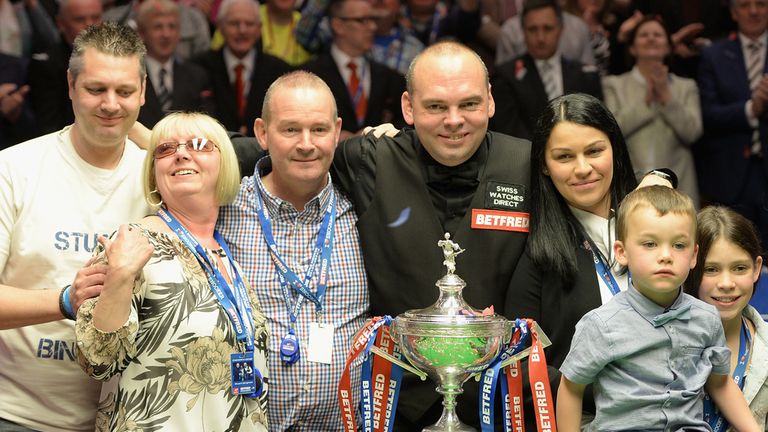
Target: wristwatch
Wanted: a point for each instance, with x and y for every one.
(665, 173)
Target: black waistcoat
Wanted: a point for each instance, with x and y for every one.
(399, 231)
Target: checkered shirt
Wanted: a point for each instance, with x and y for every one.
(303, 396)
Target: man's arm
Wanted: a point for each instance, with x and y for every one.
(569, 398)
(20, 307)
(731, 403)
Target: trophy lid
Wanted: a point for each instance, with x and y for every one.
(450, 307)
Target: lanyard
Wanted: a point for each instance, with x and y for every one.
(238, 308)
(321, 255)
(711, 414)
(601, 267)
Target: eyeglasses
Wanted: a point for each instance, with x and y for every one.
(168, 148)
(360, 20)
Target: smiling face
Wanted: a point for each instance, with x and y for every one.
(161, 36)
(187, 174)
(659, 252)
(301, 136)
(579, 160)
(450, 106)
(106, 97)
(728, 278)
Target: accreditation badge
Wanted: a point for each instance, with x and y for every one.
(246, 378)
(320, 348)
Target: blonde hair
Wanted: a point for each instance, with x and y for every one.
(196, 124)
(661, 198)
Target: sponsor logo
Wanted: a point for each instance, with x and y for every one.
(500, 220)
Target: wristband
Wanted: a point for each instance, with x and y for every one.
(665, 173)
(65, 305)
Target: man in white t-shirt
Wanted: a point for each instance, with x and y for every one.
(58, 193)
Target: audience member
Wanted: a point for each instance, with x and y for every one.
(164, 307)
(16, 119)
(727, 268)
(439, 177)
(239, 72)
(658, 112)
(652, 350)
(393, 46)
(49, 90)
(367, 93)
(25, 28)
(574, 43)
(60, 191)
(278, 19)
(602, 25)
(495, 13)
(731, 158)
(276, 229)
(172, 84)
(527, 82)
(194, 32)
(427, 20)
(693, 25)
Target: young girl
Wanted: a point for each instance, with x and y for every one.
(728, 266)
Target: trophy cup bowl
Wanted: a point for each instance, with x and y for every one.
(450, 341)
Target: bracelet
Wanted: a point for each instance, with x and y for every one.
(665, 173)
(65, 305)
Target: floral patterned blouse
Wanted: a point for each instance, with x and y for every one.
(172, 356)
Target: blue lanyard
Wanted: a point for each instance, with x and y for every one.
(321, 255)
(601, 267)
(241, 314)
(711, 414)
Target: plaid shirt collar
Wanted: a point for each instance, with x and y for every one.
(282, 210)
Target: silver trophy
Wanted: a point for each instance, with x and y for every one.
(450, 340)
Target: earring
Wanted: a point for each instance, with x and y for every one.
(149, 199)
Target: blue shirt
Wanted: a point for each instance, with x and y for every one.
(302, 395)
(647, 377)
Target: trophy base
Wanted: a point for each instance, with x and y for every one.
(460, 427)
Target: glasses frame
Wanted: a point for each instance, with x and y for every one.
(364, 20)
(193, 145)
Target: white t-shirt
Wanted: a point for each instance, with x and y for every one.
(53, 205)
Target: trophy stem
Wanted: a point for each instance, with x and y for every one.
(449, 421)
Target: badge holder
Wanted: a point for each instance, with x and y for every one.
(289, 348)
(246, 378)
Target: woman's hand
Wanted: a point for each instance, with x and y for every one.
(126, 255)
(659, 83)
(129, 252)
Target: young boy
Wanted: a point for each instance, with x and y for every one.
(652, 349)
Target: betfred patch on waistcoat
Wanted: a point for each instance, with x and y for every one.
(505, 196)
(498, 220)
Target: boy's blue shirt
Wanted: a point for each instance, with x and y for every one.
(648, 377)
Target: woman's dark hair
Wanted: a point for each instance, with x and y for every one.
(646, 19)
(555, 234)
(717, 222)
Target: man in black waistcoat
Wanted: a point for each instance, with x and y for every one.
(446, 174)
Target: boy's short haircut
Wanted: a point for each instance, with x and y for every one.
(661, 198)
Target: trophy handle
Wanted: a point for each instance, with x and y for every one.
(380, 352)
(545, 342)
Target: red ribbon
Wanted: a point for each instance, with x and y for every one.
(346, 404)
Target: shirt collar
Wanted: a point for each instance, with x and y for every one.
(277, 206)
(647, 308)
(153, 67)
(248, 61)
(745, 41)
(342, 59)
